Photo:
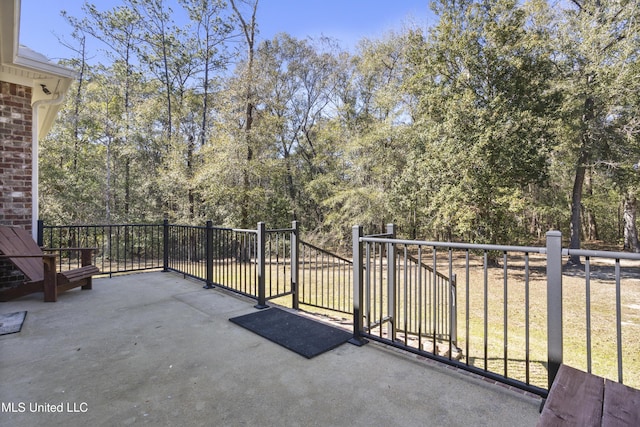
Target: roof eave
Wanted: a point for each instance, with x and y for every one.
(21, 65)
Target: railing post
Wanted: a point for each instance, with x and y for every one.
(262, 300)
(40, 233)
(391, 282)
(554, 303)
(165, 245)
(295, 264)
(358, 322)
(209, 255)
(453, 306)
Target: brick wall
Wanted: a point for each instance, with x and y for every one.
(15, 155)
(15, 166)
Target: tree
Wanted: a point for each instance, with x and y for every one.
(79, 64)
(598, 46)
(160, 42)
(294, 87)
(213, 28)
(248, 28)
(482, 81)
(367, 131)
(484, 127)
(118, 30)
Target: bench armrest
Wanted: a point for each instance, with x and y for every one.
(22, 256)
(85, 253)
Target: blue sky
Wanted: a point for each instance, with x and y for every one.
(345, 20)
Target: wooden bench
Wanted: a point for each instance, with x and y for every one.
(581, 399)
(39, 269)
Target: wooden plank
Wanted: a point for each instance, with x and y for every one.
(10, 241)
(15, 242)
(79, 273)
(575, 398)
(18, 242)
(621, 405)
(78, 277)
(20, 291)
(67, 286)
(50, 279)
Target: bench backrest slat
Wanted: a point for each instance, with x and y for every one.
(16, 242)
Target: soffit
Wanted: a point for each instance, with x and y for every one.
(23, 66)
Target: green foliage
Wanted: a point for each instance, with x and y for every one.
(485, 98)
(470, 129)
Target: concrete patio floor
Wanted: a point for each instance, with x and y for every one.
(154, 348)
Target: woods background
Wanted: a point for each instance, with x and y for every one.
(501, 121)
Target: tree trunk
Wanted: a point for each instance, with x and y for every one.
(127, 186)
(576, 206)
(589, 223)
(107, 193)
(290, 187)
(78, 102)
(630, 229)
(248, 29)
(205, 97)
(578, 183)
(191, 196)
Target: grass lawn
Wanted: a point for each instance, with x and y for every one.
(489, 297)
(513, 349)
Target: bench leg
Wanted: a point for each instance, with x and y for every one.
(50, 280)
(88, 285)
(86, 260)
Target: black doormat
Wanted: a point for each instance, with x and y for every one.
(300, 334)
(11, 323)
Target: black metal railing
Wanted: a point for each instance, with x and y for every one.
(606, 311)
(236, 259)
(506, 318)
(408, 305)
(518, 326)
(186, 250)
(279, 256)
(324, 280)
(218, 256)
(118, 247)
